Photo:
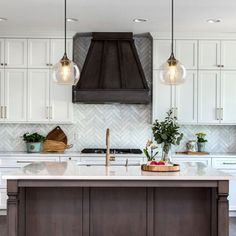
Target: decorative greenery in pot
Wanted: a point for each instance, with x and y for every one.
(148, 150)
(33, 142)
(167, 133)
(201, 142)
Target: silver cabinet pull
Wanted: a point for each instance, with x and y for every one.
(5, 112)
(218, 66)
(176, 112)
(229, 163)
(222, 66)
(2, 64)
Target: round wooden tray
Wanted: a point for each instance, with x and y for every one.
(153, 168)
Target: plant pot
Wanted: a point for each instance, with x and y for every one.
(34, 147)
(201, 147)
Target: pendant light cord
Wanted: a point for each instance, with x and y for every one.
(172, 27)
(65, 26)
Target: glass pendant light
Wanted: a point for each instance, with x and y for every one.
(66, 72)
(173, 72)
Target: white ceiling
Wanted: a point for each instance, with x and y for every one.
(37, 16)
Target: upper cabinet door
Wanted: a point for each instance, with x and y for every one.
(228, 97)
(61, 109)
(208, 97)
(186, 99)
(15, 53)
(15, 95)
(162, 98)
(2, 59)
(209, 54)
(161, 52)
(228, 54)
(58, 49)
(2, 93)
(38, 95)
(39, 53)
(186, 53)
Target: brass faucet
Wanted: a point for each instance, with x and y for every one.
(108, 147)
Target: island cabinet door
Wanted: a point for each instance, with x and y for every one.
(52, 212)
(118, 211)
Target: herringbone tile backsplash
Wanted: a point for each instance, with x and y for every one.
(130, 125)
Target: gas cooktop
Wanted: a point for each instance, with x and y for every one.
(112, 150)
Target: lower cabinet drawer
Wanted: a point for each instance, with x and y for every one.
(3, 199)
(193, 161)
(224, 163)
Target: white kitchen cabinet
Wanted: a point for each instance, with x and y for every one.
(228, 165)
(13, 89)
(182, 99)
(61, 107)
(185, 106)
(193, 160)
(47, 101)
(44, 53)
(3, 199)
(186, 53)
(161, 53)
(209, 54)
(208, 97)
(228, 97)
(39, 53)
(162, 97)
(15, 51)
(38, 95)
(58, 48)
(228, 54)
(1, 95)
(15, 93)
(2, 60)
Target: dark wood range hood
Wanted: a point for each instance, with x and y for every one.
(112, 72)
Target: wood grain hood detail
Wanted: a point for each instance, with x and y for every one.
(112, 72)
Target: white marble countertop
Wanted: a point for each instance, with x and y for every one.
(71, 171)
(79, 154)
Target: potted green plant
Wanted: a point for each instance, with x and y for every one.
(167, 134)
(201, 142)
(33, 142)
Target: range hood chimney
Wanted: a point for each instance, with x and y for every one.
(112, 72)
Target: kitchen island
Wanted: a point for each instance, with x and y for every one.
(65, 199)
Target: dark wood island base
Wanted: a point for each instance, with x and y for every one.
(117, 208)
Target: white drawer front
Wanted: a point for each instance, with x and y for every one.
(22, 161)
(224, 163)
(3, 199)
(205, 161)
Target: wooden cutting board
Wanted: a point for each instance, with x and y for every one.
(193, 153)
(57, 134)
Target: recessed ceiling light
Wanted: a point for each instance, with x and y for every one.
(71, 19)
(139, 20)
(3, 19)
(212, 21)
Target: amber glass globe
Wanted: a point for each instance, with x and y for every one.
(172, 72)
(66, 72)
